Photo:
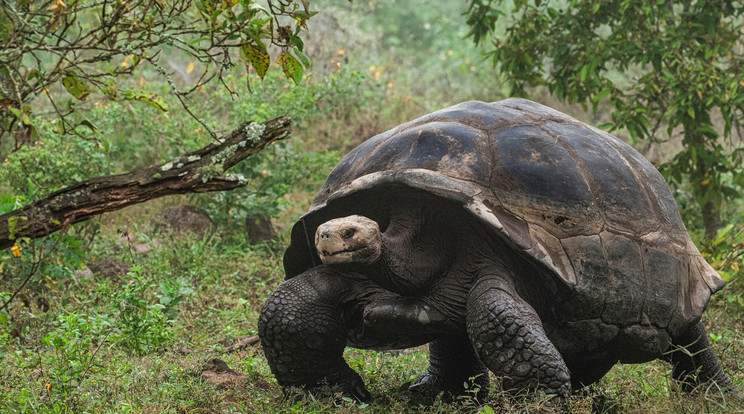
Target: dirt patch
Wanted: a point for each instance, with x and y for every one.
(109, 268)
(217, 372)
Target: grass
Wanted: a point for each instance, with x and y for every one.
(81, 356)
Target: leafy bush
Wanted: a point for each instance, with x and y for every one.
(282, 169)
(53, 162)
(73, 342)
(146, 325)
(725, 253)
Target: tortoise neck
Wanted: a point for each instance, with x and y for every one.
(416, 251)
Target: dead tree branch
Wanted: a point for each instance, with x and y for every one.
(196, 172)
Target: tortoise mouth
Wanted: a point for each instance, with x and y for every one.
(354, 254)
(349, 250)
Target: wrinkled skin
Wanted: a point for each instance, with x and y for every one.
(442, 278)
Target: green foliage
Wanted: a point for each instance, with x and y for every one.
(87, 48)
(659, 64)
(283, 169)
(725, 252)
(53, 162)
(416, 50)
(146, 324)
(72, 342)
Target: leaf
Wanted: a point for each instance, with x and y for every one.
(86, 123)
(297, 42)
(721, 235)
(146, 97)
(75, 86)
(291, 67)
(109, 89)
(303, 58)
(602, 94)
(258, 58)
(190, 67)
(487, 410)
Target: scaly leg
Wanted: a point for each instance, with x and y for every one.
(303, 334)
(509, 338)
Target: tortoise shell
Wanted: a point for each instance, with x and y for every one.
(573, 199)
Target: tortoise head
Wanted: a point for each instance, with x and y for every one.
(352, 239)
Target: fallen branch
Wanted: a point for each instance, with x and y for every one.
(242, 344)
(196, 172)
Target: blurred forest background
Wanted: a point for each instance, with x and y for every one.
(128, 311)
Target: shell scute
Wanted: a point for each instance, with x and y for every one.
(535, 175)
(627, 286)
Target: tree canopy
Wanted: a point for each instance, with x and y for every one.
(87, 46)
(662, 65)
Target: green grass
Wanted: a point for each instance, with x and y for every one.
(81, 356)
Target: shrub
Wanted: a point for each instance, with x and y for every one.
(146, 324)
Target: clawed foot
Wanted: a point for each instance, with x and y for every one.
(347, 384)
(430, 384)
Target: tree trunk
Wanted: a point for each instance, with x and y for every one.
(711, 220)
(196, 172)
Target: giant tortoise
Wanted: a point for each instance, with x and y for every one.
(509, 237)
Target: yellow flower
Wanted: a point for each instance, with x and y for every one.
(16, 250)
(372, 68)
(341, 52)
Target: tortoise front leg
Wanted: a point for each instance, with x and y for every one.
(509, 338)
(303, 334)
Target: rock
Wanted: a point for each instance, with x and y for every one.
(181, 219)
(83, 273)
(259, 229)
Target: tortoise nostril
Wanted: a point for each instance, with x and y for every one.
(348, 233)
(325, 235)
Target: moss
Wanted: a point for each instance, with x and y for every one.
(253, 133)
(210, 171)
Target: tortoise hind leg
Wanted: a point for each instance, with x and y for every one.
(303, 336)
(453, 368)
(509, 338)
(695, 363)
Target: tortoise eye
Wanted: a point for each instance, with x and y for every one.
(348, 233)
